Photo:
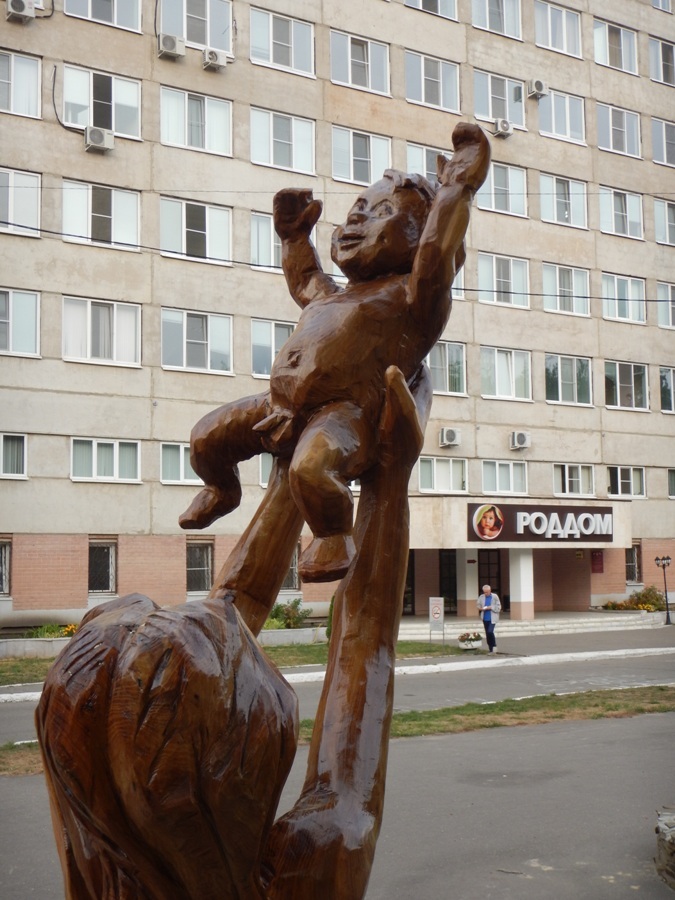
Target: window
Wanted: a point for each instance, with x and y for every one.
(106, 101)
(445, 8)
(102, 567)
(623, 298)
(665, 296)
(618, 130)
(359, 63)
(573, 480)
(266, 461)
(664, 221)
(292, 581)
(502, 16)
(104, 460)
(101, 331)
(626, 481)
(13, 456)
(620, 212)
(441, 475)
(625, 385)
(199, 566)
(502, 279)
(667, 379)
(495, 97)
(283, 141)
(19, 203)
(19, 84)
(19, 322)
(504, 477)
(568, 379)
(202, 23)
(662, 61)
(176, 467)
(100, 215)
(505, 374)
(671, 483)
(663, 142)
(265, 242)
(633, 564)
(359, 157)
(563, 201)
(198, 341)
(615, 46)
(282, 42)
(562, 116)
(504, 190)
(121, 13)
(422, 160)
(267, 338)
(662, 4)
(195, 230)
(557, 28)
(5, 566)
(195, 121)
(448, 368)
(432, 82)
(565, 289)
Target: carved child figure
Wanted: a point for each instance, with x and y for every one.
(400, 248)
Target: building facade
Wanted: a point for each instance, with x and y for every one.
(141, 145)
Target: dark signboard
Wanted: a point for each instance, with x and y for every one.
(510, 522)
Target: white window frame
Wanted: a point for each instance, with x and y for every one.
(186, 474)
(422, 160)
(265, 463)
(504, 476)
(665, 296)
(94, 111)
(561, 110)
(516, 365)
(571, 299)
(554, 27)
(447, 9)
(5, 567)
(667, 386)
(173, 319)
(618, 130)
(446, 474)
(20, 194)
(420, 81)
(629, 481)
(277, 337)
(23, 99)
(111, 587)
(201, 566)
(620, 213)
(83, 218)
(79, 312)
(83, 9)
(508, 10)
(628, 48)
(569, 480)
(664, 221)
(265, 141)
(623, 298)
(217, 226)
(265, 243)
(625, 375)
(504, 190)
(266, 47)
(568, 371)
(214, 127)
(7, 438)
(344, 63)
(439, 366)
(663, 142)
(176, 20)
(497, 280)
(97, 445)
(502, 93)
(662, 61)
(563, 201)
(347, 138)
(20, 323)
(662, 5)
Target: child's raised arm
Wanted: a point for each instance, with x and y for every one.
(295, 214)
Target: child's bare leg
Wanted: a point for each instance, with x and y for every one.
(218, 442)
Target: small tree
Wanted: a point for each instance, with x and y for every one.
(290, 613)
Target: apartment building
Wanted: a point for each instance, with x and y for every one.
(141, 145)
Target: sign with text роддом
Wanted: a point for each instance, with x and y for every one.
(547, 524)
(436, 613)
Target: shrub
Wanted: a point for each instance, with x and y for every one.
(470, 636)
(52, 630)
(649, 599)
(290, 614)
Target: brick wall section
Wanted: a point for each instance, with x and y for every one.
(612, 580)
(651, 573)
(154, 565)
(49, 571)
(571, 580)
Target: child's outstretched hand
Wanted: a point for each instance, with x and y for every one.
(295, 212)
(471, 160)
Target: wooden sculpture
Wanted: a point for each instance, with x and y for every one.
(166, 734)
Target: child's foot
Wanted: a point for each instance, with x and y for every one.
(210, 504)
(327, 559)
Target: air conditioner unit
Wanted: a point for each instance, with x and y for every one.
(536, 87)
(502, 128)
(170, 46)
(20, 10)
(98, 139)
(449, 437)
(520, 440)
(213, 59)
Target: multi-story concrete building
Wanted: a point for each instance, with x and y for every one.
(141, 145)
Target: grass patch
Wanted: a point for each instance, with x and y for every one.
(23, 670)
(20, 759)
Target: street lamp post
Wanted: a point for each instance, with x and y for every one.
(663, 562)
